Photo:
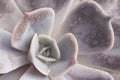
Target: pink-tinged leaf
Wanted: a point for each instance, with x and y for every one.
(80, 72)
(91, 26)
(14, 75)
(10, 58)
(33, 74)
(34, 50)
(61, 8)
(9, 14)
(39, 21)
(68, 49)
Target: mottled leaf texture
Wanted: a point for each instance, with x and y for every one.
(39, 21)
(9, 14)
(91, 26)
(109, 60)
(69, 49)
(10, 58)
(61, 8)
(80, 72)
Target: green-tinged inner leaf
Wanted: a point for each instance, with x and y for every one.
(50, 51)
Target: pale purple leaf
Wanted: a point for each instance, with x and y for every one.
(14, 75)
(91, 26)
(9, 14)
(69, 49)
(109, 61)
(34, 50)
(80, 72)
(61, 8)
(10, 58)
(33, 74)
(39, 21)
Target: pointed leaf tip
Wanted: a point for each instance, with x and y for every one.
(39, 21)
(34, 50)
(68, 48)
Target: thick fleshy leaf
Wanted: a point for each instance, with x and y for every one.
(80, 72)
(34, 50)
(52, 44)
(14, 75)
(68, 58)
(108, 60)
(61, 8)
(10, 58)
(39, 21)
(69, 49)
(91, 26)
(9, 14)
(33, 74)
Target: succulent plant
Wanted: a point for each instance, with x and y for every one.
(59, 40)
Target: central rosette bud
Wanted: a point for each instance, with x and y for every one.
(49, 51)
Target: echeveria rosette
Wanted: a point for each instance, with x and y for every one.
(25, 39)
(41, 21)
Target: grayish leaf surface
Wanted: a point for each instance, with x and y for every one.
(91, 26)
(39, 21)
(11, 58)
(9, 14)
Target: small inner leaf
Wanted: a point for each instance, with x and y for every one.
(44, 55)
(42, 51)
(46, 59)
(50, 51)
